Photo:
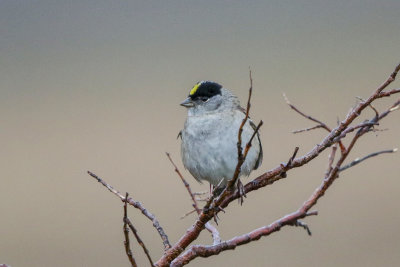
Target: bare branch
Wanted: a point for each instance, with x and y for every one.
(307, 129)
(248, 145)
(211, 228)
(323, 125)
(241, 157)
(195, 205)
(246, 117)
(320, 123)
(370, 123)
(389, 93)
(206, 251)
(139, 206)
(359, 160)
(370, 105)
(187, 214)
(109, 187)
(139, 240)
(126, 234)
(331, 158)
(394, 107)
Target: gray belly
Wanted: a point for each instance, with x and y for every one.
(212, 155)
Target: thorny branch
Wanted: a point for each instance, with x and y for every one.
(180, 253)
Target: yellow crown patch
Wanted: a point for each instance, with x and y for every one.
(194, 89)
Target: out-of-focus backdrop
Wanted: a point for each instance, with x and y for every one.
(95, 85)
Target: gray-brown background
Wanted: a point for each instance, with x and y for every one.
(95, 85)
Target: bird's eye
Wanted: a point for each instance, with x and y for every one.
(205, 99)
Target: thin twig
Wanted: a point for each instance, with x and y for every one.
(206, 251)
(370, 105)
(211, 228)
(187, 214)
(248, 145)
(307, 129)
(320, 123)
(239, 143)
(331, 158)
(139, 240)
(359, 160)
(139, 206)
(195, 205)
(372, 122)
(106, 185)
(126, 234)
(389, 93)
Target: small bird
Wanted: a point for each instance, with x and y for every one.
(210, 135)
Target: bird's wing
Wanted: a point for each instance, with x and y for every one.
(260, 154)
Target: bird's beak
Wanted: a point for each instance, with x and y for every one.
(187, 103)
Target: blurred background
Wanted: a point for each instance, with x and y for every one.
(95, 85)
